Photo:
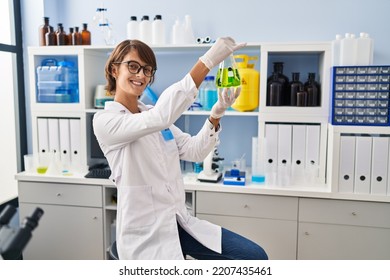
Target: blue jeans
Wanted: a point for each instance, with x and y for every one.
(234, 247)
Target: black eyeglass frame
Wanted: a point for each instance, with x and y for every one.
(139, 69)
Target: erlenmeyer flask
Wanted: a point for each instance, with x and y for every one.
(227, 75)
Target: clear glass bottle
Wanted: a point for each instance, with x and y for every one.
(43, 29)
(227, 75)
(85, 35)
(208, 93)
(294, 87)
(313, 90)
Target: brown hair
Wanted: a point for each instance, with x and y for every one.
(121, 50)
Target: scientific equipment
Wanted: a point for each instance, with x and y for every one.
(210, 172)
(227, 75)
(101, 21)
(102, 96)
(13, 241)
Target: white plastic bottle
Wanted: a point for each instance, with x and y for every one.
(133, 28)
(336, 44)
(348, 48)
(188, 32)
(145, 30)
(365, 50)
(177, 33)
(158, 31)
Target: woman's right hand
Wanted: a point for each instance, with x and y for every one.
(220, 50)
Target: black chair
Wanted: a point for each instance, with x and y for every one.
(113, 253)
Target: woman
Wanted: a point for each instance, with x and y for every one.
(144, 149)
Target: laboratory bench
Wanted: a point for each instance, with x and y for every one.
(290, 222)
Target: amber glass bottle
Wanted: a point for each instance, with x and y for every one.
(43, 29)
(76, 37)
(85, 35)
(61, 36)
(69, 36)
(50, 37)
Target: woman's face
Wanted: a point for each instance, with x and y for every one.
(131, 85)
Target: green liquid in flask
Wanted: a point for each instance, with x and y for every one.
(228, 77)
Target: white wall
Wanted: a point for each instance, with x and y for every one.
(244, 20)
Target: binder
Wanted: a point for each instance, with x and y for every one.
(363, 164)
(54, 137)
(65, 142)
(298, 159)
(284, 154)
(271, 152)
(75, 142)
(43, 135)
(347, 164)
(284, 144)
(312, 151)
(379, 166)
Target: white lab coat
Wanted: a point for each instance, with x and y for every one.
(146, 170)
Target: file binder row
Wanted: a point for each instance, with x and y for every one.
(364, 164)
(60, 136)
(292, 151)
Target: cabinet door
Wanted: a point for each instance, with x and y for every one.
(277, 237)
(65, 233)
(270, 221)
(342, 229)
(318, 241)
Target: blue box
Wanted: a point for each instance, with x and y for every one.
(360, 95)
(57, 82)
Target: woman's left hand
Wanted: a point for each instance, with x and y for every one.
(226, 98)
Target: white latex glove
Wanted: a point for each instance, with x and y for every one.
(220, 50)
(226, 98)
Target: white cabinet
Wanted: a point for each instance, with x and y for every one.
(72, 224)
(270, 221)
(340, 229)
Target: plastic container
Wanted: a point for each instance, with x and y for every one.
(336, 44)
(348, 50)
(208, 93)
(133, 28)
(57, 82)
(250, 77)
(365, 50)
(158, 31)
(145, 30)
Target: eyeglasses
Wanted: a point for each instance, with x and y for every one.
(134, 68)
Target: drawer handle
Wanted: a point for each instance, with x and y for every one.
(95, 218)
(59, 194)
(307, 233)
(246, 206)
(354, 213)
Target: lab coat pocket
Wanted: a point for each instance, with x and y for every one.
(138, 207)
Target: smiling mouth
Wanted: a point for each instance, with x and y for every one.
(136, 83)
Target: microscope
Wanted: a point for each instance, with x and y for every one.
(211, 167)
(13, 241)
